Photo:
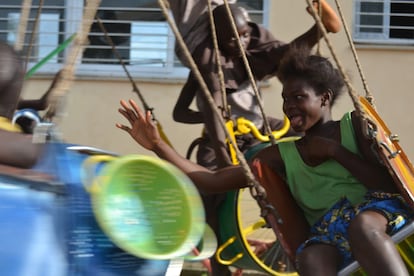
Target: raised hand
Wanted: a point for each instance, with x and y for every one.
(329, 17)
(142, 128)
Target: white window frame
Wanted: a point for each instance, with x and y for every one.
(73, 17)
(382, 37)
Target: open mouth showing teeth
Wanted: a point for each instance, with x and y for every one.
(295, 120)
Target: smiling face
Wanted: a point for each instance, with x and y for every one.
(311, 85)
(304, 107)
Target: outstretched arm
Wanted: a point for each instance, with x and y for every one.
(144, 132)
(215, 131)
(182, 112)
(330, 20)
(329, 17)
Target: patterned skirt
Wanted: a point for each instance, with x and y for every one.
(332, 227)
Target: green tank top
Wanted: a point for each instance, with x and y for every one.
(317, 189)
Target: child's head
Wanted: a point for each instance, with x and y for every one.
(311, 86)
(226, 39)
(315, 70)
(11, 80)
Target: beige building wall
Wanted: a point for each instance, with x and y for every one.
(90, 111)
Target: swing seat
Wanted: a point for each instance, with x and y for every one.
(292, 227)
(241, 237)
(400, 167)
(390, 153)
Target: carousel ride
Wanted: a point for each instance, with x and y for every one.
(91, 206)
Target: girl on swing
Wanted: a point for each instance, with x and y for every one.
(347, 196)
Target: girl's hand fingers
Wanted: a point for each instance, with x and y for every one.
(136, 108)
(123, 127)
(126, 115)
(129, 113)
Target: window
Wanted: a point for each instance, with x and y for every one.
(384, 21)
(137, 28)
(49, 31)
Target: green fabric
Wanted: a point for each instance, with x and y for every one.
(317, 188)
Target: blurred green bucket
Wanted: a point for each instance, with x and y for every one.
(147, 206)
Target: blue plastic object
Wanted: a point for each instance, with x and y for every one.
(44, 233)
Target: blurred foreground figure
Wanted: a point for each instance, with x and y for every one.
(16, 148)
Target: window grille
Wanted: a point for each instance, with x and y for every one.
(137, 28)
(384, 21)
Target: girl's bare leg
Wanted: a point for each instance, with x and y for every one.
(372, 247)
(318, 259)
